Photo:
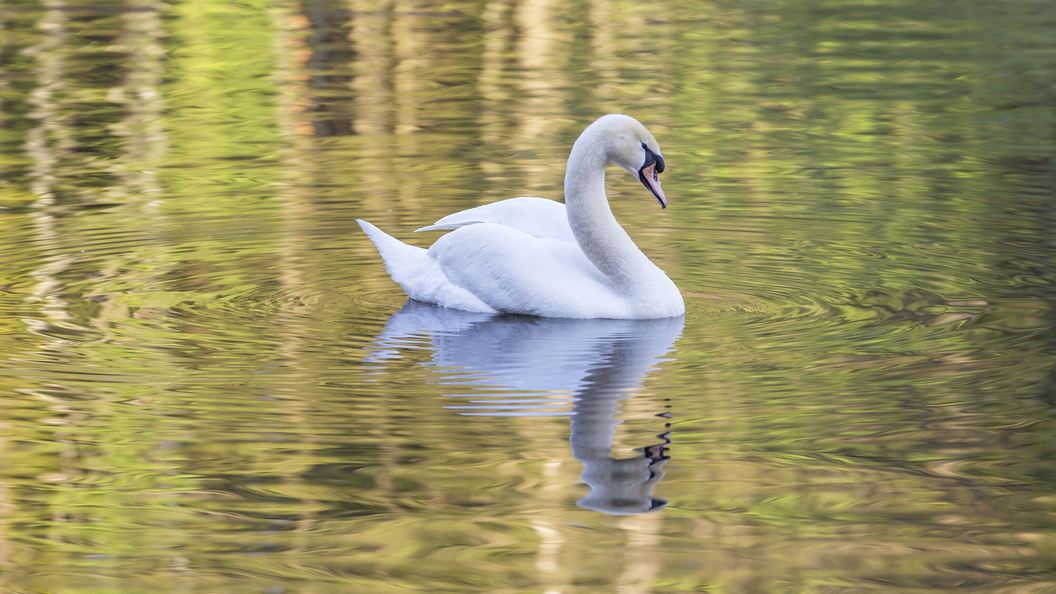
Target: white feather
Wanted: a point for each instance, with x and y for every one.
(537, 217)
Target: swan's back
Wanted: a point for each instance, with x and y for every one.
(515, 272)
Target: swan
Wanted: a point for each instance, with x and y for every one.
(539, 257)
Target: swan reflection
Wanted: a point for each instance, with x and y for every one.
(540, 366)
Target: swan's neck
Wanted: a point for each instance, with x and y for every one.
(600, 237)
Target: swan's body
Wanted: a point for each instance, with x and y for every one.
(539, 257)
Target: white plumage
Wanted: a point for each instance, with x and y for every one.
(539, 257)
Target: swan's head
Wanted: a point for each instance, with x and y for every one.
(632, 147)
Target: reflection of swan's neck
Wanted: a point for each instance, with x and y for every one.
(618, 485)
(600, 237)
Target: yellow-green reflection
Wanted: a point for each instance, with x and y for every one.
(861, 221)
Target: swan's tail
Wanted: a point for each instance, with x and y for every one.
(420, 274)
(403, 261)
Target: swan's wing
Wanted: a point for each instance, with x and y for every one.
(515, 272)
(537, 217)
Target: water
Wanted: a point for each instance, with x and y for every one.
(210, 384)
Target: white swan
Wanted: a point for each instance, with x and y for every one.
(539, 257)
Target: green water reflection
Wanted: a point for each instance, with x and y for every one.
(210, 384)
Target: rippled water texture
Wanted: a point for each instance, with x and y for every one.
(208, 383)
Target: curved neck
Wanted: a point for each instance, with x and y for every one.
(600, 237)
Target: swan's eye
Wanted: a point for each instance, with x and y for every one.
(650, 158)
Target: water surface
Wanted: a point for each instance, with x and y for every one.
(210, 384)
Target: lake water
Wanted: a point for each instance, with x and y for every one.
(208, 383)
